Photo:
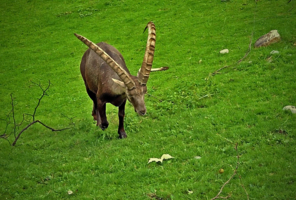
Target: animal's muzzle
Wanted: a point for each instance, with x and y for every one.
(141, 112)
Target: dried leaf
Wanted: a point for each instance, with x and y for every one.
(190, 192)
(269, 59)
(163, 157)
(166, 157)
(274, 52)
(224, 51)
(154, 160)
(70, 192)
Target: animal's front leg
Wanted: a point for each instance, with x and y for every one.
(101, 115)
(121, 130)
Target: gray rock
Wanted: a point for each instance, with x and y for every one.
(291, 108)
(267, 39)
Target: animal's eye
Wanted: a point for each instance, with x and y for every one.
(131, 98)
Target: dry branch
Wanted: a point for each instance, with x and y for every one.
(154, 97)
(13, 118)
(36, 121)
(239, 61)
(207, 95)
(244, 188)
(234, 173)
(15, 125)
(39, 100)
(249, 50)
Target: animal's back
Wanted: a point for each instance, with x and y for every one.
(95, 71)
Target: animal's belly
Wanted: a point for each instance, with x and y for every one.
(115, 100)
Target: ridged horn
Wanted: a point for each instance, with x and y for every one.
(149, 54)
(124, 76)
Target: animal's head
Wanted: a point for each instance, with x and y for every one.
(135, 95)
(135, 86)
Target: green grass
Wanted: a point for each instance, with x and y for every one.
(244, 102)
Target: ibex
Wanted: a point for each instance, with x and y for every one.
(108, 80)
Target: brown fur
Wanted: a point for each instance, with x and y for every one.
(97, 76)
(108, 80)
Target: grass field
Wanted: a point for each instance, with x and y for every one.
(190, 111)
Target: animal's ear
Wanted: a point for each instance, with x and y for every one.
(119, 82)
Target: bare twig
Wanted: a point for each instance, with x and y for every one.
(249, 50)
(15, 125)
(244, 188)
(216, 72)
(239, 61)
(234, 173)
(5, 135)
(52, 129)
(36, 121)
(21, 121)
(225, 138)
(154, 97)
(39, 100)
(13, 118)
(6, 140)
(207, 95)
(70, 119)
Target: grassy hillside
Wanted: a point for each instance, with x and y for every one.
(190, 111)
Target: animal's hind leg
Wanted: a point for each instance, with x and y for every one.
(94, 99)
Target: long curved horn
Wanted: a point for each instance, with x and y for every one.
(125, 77)
(149, 54)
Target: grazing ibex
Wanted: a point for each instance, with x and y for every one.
(108, 80)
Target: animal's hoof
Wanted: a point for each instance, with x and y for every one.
(104, 126)
(122, 135)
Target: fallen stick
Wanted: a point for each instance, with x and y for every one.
(234, 173)
(36, 121)
(239, 61)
